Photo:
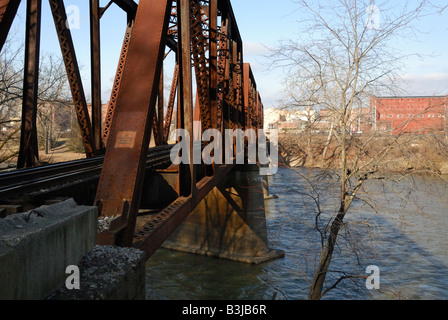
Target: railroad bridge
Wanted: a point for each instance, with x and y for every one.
(141, 194)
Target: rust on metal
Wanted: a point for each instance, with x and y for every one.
(198, 50)
(151, 236)
(8, 10)
(116, 86)
(186, 176)
(121, 179)
(95, 73)
(213, 61)
(205, 38)
(222, 66)
(29, 153)
(170, 107)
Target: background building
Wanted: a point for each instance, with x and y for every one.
(288, 120)
(410, 114)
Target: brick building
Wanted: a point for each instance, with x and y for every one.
(410, 114)
(360, 120)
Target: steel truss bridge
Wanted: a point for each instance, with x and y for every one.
(211, 83)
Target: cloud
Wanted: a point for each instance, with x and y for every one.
(426, 77)
(435, 83)
(255, 49)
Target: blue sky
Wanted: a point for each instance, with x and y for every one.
(262, 23)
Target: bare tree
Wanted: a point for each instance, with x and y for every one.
(346, 50)
(302, 93)
(11, 81)
(53, 110)
(54, 100)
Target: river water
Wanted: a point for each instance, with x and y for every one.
(401, 227)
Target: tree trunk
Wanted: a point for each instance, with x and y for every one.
(324, 153)
(309, 146)
(315, 290)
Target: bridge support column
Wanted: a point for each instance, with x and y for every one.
(229, 222)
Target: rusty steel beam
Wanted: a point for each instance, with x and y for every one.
(157, 126)
(8, 10)
(170, 107)
(155, 129)
(117, 82)
(127, 5)
(155, 232)
(213, 61)
(186, 177)
(172, 29)
(260, 111)
(198, 51)
(226, 9)
(29, 153)
(249, 96)
(160, 107)
(231, 88)
(225, 89)
(95, 73)
(73, 74)
(121, 180)
(238, 72)
(221, 75)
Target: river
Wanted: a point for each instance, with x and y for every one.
(401, 227)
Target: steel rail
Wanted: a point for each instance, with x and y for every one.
(19, 182)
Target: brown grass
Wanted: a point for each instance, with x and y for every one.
(407, 153)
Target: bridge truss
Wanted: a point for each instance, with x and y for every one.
(211, 83)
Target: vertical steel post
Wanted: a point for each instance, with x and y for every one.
(160, 107)
(29, 153)
(95, 68)
(222, 66)
(213, 61)
(246, 96)
(187, 177)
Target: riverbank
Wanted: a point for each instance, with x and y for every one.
(405, 154)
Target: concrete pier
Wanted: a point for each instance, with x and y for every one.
(37, 246)
(230, 222)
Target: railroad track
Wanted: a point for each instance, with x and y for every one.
(45, 179)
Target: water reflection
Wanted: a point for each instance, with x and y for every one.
(405, 236)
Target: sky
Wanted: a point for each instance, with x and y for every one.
(262, 24)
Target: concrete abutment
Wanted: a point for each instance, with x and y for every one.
(229, 222)
(36, 247)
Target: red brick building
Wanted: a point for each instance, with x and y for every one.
(410, 114)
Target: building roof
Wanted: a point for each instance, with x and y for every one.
(408, 97)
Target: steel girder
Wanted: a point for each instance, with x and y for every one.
(8, 10)
(29, 153)
(204, 36)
